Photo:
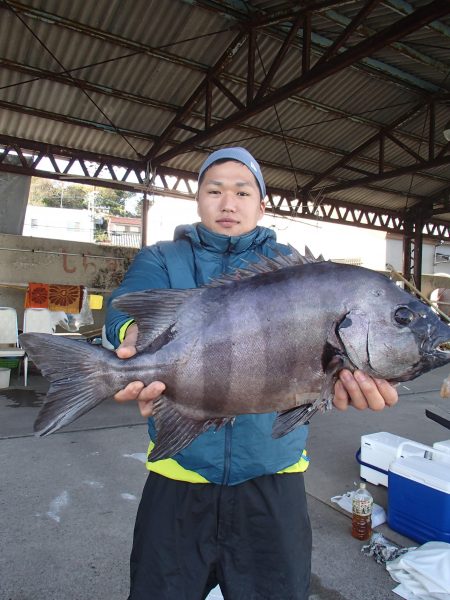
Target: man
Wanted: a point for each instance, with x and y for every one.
(229, 509)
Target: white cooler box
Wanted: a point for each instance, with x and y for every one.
(377, 452)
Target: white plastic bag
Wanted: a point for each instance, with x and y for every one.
(345, 502)
(423, 573)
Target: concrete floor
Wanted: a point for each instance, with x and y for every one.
(68, 501)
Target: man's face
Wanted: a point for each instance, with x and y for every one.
(229, 199)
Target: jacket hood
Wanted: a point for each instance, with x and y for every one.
(216, 242)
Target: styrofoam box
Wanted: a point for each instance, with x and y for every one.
(419, 499)
(378, 450)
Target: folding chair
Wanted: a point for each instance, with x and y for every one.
(36, 320)
(9, 335)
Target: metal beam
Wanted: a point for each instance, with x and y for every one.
(352, 26)
(185, 110)
(76, 121)
(93, 32)
(282, 16)
(400, 29)
(53, 152)
(412, 247)
(131, 174)
(278, 59)
(401, 47)
(36, 74)
(68, 164)
(414, 168)
(333, 210)
(404, 8)
(378, 137)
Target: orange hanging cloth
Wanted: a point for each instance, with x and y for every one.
(37, 295)
(67, 298)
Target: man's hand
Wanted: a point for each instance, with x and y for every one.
(361, 391)
(137, 390)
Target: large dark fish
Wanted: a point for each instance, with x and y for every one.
(271, 338)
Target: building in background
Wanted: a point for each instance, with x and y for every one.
(123, 231)
(72, 224)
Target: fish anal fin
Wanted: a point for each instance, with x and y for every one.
(176, 431)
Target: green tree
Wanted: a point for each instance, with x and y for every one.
(111, 202)
(49, 192)
(43, 191)
(46, 192)
(75, 196)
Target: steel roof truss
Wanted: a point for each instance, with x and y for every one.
(198, 94)
(26, 160)
(377, 138)
(434, 156)
(334, 64)
(351, 27)
(416, 167)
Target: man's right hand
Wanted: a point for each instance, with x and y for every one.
(137, 390)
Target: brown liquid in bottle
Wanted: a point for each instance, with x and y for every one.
(362, 502)
(361, 527)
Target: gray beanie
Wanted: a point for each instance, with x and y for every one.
(240, 155)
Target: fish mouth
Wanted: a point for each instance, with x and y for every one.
(442, 348)
(438, 353)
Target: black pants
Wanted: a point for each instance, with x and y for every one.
(253, 539)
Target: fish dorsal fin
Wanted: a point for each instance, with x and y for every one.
(268, 264)
(155, 313)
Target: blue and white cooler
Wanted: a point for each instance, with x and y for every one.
(376, 453)
(419, 492)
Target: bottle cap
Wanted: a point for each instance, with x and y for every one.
(362, 485)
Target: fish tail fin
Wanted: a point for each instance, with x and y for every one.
(76, 375)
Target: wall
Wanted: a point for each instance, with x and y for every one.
(14, 191)
(28, 259)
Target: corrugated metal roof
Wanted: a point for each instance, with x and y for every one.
(108, 77)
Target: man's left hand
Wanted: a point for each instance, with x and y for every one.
(361, 391)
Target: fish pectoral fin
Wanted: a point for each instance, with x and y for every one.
(288, 420)
(336, 364)
(176, 431)
(155, 312)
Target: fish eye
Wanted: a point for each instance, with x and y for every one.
(403, 315)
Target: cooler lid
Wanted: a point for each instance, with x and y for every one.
(444, 446)
(428, 472)
(382, 438)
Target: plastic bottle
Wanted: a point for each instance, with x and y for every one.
(362, 513)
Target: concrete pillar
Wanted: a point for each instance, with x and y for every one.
(14, 191)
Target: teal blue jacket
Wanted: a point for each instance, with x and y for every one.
(245, 448)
